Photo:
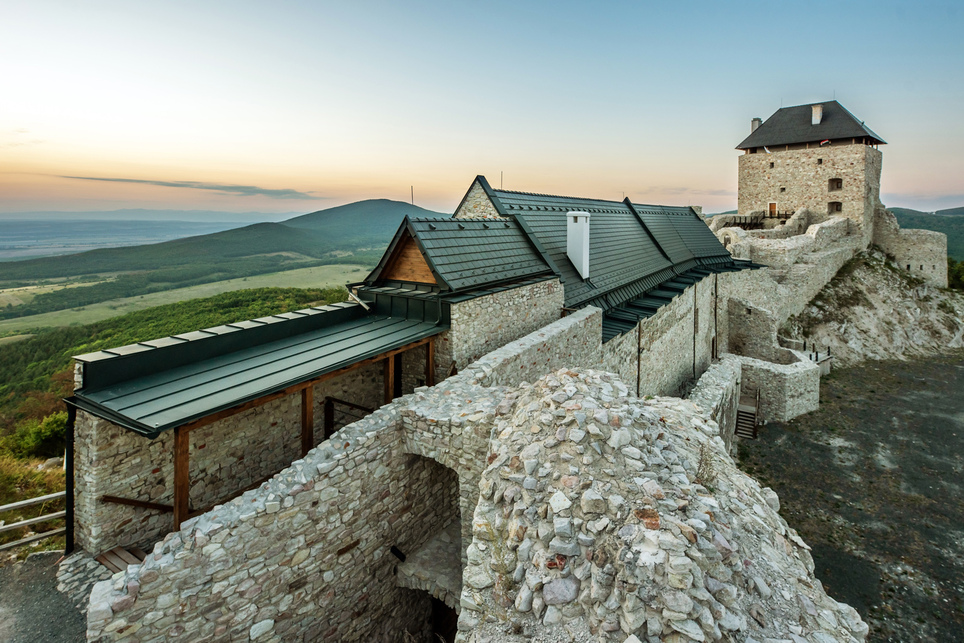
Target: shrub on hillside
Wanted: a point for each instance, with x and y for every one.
(43, 439)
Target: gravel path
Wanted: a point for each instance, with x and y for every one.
(31, 608)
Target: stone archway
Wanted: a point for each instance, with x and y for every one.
(435, 565)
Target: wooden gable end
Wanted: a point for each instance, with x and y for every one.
(407, 264)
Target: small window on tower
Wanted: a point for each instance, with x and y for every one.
(834, 206)
(834, 185)
(783, 189)
(771, 165)
(819, 161)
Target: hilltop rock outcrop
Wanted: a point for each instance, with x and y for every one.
(874, 310)
(606, 517)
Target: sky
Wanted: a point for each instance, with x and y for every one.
(298, 106)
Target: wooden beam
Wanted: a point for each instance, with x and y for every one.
(294, 388)
(307, 420)
(389, 378)
(143, 504)
(430, 362)
(182, 481)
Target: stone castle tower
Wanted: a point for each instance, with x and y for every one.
(819, 157)
(822, 160)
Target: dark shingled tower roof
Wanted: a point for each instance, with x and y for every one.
(792, 125)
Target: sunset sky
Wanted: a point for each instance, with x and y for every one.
(298, 106)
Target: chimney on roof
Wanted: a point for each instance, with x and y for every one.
(755, 123)
(817, 115)
(577, 241)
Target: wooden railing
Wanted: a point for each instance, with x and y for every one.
(340, 413)
(57, 515)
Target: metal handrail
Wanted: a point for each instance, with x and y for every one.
(32, 501)
(57, 515)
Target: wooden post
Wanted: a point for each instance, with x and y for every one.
(389, 378)
(329, 418)
(182, 481)
(430, 362)
(307, 420)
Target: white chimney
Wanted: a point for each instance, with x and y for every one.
(577, 241)
(755, 123)
(817, 114)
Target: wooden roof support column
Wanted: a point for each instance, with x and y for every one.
(389, 378)
(430, 362)
(182, 480)
(307, 420)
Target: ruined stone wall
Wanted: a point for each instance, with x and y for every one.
(481, 325)
(718, 393)
(307, 556)
(477, 205)
(676, 342)
(573, 341)
(786, 390)
(620, 355)
(801, 179)
(922, 253)
(225, 457)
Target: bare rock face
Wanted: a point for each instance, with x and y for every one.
(874, 310)
(608, 518)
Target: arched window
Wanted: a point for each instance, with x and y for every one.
(834, 206)
(834, 185)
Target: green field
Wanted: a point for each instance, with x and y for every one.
(314, 277)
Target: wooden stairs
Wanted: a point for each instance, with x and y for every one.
(747, 416)
(118, 558)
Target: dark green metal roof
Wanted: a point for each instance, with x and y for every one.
(467, 254)
(621, 251)
(167, 389)
(657, 219)
(624, 317)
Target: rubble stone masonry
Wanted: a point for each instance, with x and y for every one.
(806, 179)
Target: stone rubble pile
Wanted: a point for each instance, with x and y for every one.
(609, 518)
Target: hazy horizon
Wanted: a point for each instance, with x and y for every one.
(234, 107)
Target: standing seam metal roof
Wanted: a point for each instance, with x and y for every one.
(171, 397)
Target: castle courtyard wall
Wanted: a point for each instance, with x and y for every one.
(481, 325)
(786, 390)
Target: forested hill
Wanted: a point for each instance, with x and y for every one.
(950, 222)
(365, 226)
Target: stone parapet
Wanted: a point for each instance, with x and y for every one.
(718, 393)
(786, 390)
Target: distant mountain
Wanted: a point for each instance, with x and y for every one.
(140, 214)
(325, 233)
(954, 212)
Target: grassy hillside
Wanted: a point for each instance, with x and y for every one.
(323, 276)
(356, 233)
(35, 373)
(952, 225)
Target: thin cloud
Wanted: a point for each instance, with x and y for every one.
(223, 188)
(682, 190)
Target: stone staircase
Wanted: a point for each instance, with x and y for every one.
(747, 414)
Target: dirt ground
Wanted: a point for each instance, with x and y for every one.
(874, 482)
(31, 608)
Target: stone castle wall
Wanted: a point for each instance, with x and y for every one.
(481, 325)
(676, 344)
(802, 179)
(225, 456)
(477, 205)
(718, 393)
(282, 561)
(922, 253)
(786, 390)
